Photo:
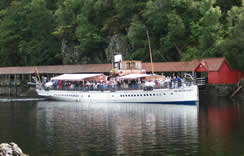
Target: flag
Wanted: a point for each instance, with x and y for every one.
(37, 74)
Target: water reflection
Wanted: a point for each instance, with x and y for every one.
(117, 129)
(63, 128)
(221, 131)
(60, 128)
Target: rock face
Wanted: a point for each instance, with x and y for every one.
(71, 54)
(117, 44)
(10, 149)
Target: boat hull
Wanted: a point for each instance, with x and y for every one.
(185, 95)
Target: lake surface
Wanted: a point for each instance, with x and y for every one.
(50, 128)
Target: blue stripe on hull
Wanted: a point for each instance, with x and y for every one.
(170, 102)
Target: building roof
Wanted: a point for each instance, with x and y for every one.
(213, 64)
(58, 69)
(170, 66)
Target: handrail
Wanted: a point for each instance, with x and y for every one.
(201, 81)
(119, 88)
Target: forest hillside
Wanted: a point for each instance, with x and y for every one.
(48, 32)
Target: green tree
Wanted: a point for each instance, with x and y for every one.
(207, 32)
(9, 34)
(232, 47)
(138, 39)
(226, 5)
(4, 4)
(27, 27)
(172, 45)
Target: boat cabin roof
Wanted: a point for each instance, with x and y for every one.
(133, 76)
(75, 77)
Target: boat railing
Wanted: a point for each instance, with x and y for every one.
(201, 81)
(113, 88)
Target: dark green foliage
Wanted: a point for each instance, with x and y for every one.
(226, 5)
(25, 35)
(35, 32)
(233, 47)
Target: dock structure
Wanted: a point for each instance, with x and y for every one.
(19, 72)
(216, 70)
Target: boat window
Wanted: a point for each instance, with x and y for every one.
(150, 94)
(153, 94)
(138, 66)
(123, 65)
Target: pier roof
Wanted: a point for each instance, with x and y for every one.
(213, 64)
(58, 69)
(170, 66)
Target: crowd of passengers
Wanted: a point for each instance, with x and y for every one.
(167, 82)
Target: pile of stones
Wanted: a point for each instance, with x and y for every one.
(10, 149)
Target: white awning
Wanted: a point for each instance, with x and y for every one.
(75, 77)
(133, 76)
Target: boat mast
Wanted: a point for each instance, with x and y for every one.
(150, 51)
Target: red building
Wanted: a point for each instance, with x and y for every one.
(218, 71)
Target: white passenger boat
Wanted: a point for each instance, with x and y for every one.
(90, 88)
(186, 94)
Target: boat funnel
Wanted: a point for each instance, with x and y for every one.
(117, 58)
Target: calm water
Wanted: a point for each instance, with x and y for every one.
(48, 128)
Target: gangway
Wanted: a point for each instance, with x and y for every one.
(201, 82)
